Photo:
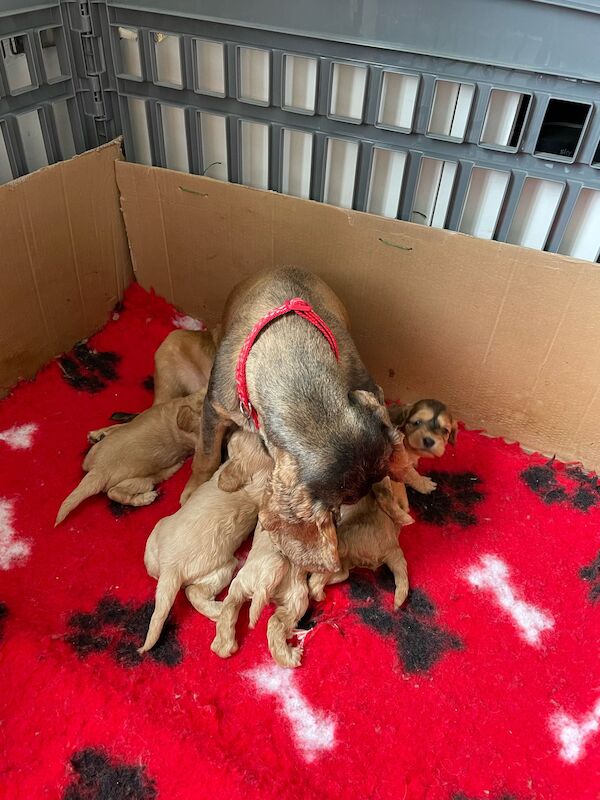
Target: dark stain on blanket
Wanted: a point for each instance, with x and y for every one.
(453, 501)
(420, 642)
(148, 383)
(119, 629)
(571, 486)
(89, 370)
(119, 510)
(97, 776)
(591, 574)
(3, 617)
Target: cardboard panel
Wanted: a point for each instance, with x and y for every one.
(507, 336)
(66, 259)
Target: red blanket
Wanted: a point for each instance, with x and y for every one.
(485, 686)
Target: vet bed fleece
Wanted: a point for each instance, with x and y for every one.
(484, 686)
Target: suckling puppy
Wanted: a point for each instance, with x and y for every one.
(267, 576)
(129, 461)
(428, 427)
(195, 547)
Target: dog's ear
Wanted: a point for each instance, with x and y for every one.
(327, 550)
(399, 414)
(453, 432)
(384, 496)
(188, 420)
(233, 475)
(286, 497)
(309, 545)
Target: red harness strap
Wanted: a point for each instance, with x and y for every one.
(298, 306)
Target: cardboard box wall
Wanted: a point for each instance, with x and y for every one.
(508, 337)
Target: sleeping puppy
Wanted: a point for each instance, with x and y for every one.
(367, 537)
(195, 547)
(322, 420)
(182, 365)
(428, 427)
(132, 458)
(267, 575)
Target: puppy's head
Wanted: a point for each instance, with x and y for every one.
(427, 425)
(248, 459)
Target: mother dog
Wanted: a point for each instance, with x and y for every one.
(291, 370)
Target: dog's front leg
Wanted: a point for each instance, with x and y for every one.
(420, 483)
(207, 457)
(397, 563)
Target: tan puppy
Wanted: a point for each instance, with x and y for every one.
(428, 427)
(266, 576)
(195, 547)
(132, 458)
(182, 364)
(367, 537)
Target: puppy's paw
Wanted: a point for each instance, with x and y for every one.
(94, 437)
(316, 588)
(401, 593)
(289, 657)
(426, 485)
(224, 647)
(144, 499)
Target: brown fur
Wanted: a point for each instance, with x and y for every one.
(428, 427)
(132, 458)
(182, 364)
(367, 537)
(266, 576)
(195, 547)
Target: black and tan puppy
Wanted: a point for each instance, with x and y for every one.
(322, 420)
(428, 427)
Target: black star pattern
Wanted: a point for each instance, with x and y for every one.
(88, 370)
(119, 629)
(591, 574)
(3, 616)
(573, 486)
(99, 777)
(453, 500)
(420, 643)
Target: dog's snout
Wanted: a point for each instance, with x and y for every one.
(428, 442)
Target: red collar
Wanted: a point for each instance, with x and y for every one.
(297, 306)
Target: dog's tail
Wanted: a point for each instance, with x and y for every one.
(166, 591)
(91, 484)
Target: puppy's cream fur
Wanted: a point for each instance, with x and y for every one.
(195, 547)
(132, 458)
(367, 537)
(266, 576)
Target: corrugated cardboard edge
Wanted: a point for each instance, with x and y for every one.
(508, 337)
(67, 259)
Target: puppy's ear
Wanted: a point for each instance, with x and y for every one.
(286, 497)
(453, 432)
(384, 495)
(399, 414)
(233, 475)
(188, 420)
(327, 552)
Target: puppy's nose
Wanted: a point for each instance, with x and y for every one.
(428, 442)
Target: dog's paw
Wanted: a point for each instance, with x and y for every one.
(289, 657)
(426, 485)
(316, 588)
(224, 647)
(144, 499)
(94, 437)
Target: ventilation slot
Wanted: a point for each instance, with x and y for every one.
(434, 192)
(174, 138)
(138, 121)
(300, 86)
(129, 49)
(535, 213)
(64, 130)
(398, 101)
(596, 158)
(14, 55)
(385, 184)
(485, 196)
(168, 60)
(505, 119)
(450, 110)
(296, 163)
(210, 67)
(562, 129)
(32, 140)
(582, 236)
(255, 155)
(213, 129)
(6, 174)
(254, 71)
(53, 57)
(348, 85)
(340, 172)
